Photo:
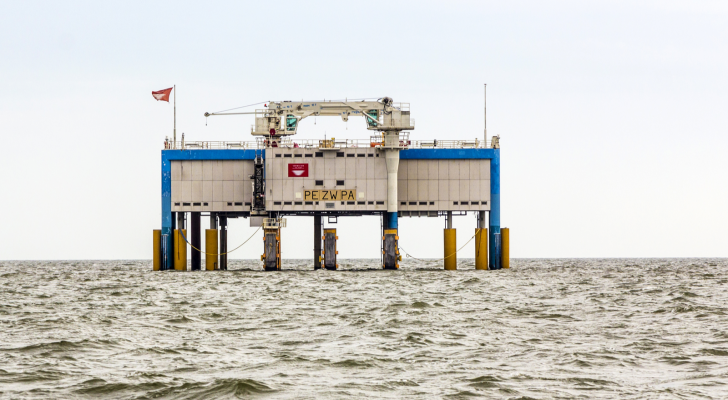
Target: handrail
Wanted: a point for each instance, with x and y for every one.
(329, 144)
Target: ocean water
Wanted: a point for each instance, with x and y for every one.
(545, 329)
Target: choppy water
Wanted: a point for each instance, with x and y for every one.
(543, 329)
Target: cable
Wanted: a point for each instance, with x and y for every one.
(230, 109)
(221, 254)
(442, 259)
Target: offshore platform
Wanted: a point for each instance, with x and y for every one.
(275, 176)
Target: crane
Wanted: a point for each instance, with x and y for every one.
(282, 118)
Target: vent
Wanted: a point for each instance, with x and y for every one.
(485, 203)
(247, 203)
(319, 154)
(309, 155)
(423, 203)
(370, 155)
(287, 155)
(204, 204)
(186, 204)
(298, 203)
(401, 203)
(474, 203)
(342, 203)
(361, 203)
(351, 203)
(196, 204)
(278, 155)
(176, 204)
(371, 203)
(454, 203)
(230, 204)
(377, 154)
(276, 203)
(238, 204)
(432, 203)
(361, 155)
(287, 203)
(340, 154)
(319, 183)
(380, 203)
(298, 155)
(351, 155)
(463, 203)
(339, 183)
(413, 203)
(330, 205)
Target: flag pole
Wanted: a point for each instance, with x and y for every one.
(174, 130)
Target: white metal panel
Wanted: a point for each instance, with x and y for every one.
(423, 169)
(380, 189)
(370, 166)
(380, 166)
(318, 168)
(207, 170)
(247, 170)
(287, 191)
(340, 169)
(442, 169)
(186, 170)
(412, 193)
(464, 169)
(474, 190)
(330, 168)
(247, 190)
(443, 190)
(239, 170)
(196, 191)
(228, 190)
(217, 190)
(277, 191)
(464, 190)
(453, 169)
(176, 194)
(217, 174)
(423, 189)
(402, 190)
(454, 190)
(370, 190)
(239, 191)
(361, 167)
(433, 190)
(432, 169)
(402, 170)
(196, 170)
(485, 191)
(485, 169)
(176, 169)
(350, 168)
(412, 169)
(207, 190)
(185, 190)
(475, 169)
(277, 169)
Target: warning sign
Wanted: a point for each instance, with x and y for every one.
(297, 170)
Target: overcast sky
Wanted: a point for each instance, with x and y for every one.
(612, 114)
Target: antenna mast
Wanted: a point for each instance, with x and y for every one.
(485, 114)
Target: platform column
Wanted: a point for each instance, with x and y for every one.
(390, 241)
(157, 250)
(505, 248)
(180, 245)
(451, 259)
(316, 242)
(481, 243)
(494, 233)
(272, 249)
(196, 257)
(211, 250)
(167, 235)
(223, 242)
(330, 251)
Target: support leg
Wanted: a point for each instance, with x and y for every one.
(223, 242)
(391, 240)
(317, 242)
(211, 250)
(330, 251)
(196, 258)
(451, 258)
(180, 245)
(272, 247)
(481, 243)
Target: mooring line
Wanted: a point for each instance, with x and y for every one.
(220, 254)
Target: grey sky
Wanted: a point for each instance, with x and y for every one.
(612, 115)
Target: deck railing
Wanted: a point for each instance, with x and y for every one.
(332, 143)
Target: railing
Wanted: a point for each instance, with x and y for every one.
(403, 142)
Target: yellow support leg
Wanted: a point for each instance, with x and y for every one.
(157, 250)
(505, 252)
(211, 249)
(481, 248)
(180, 250)
(451, 259)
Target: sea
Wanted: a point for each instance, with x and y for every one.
(543, 329)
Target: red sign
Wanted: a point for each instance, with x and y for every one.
(298, 170)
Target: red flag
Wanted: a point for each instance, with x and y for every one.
(162, 94)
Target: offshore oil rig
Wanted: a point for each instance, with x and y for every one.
(275, 176)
